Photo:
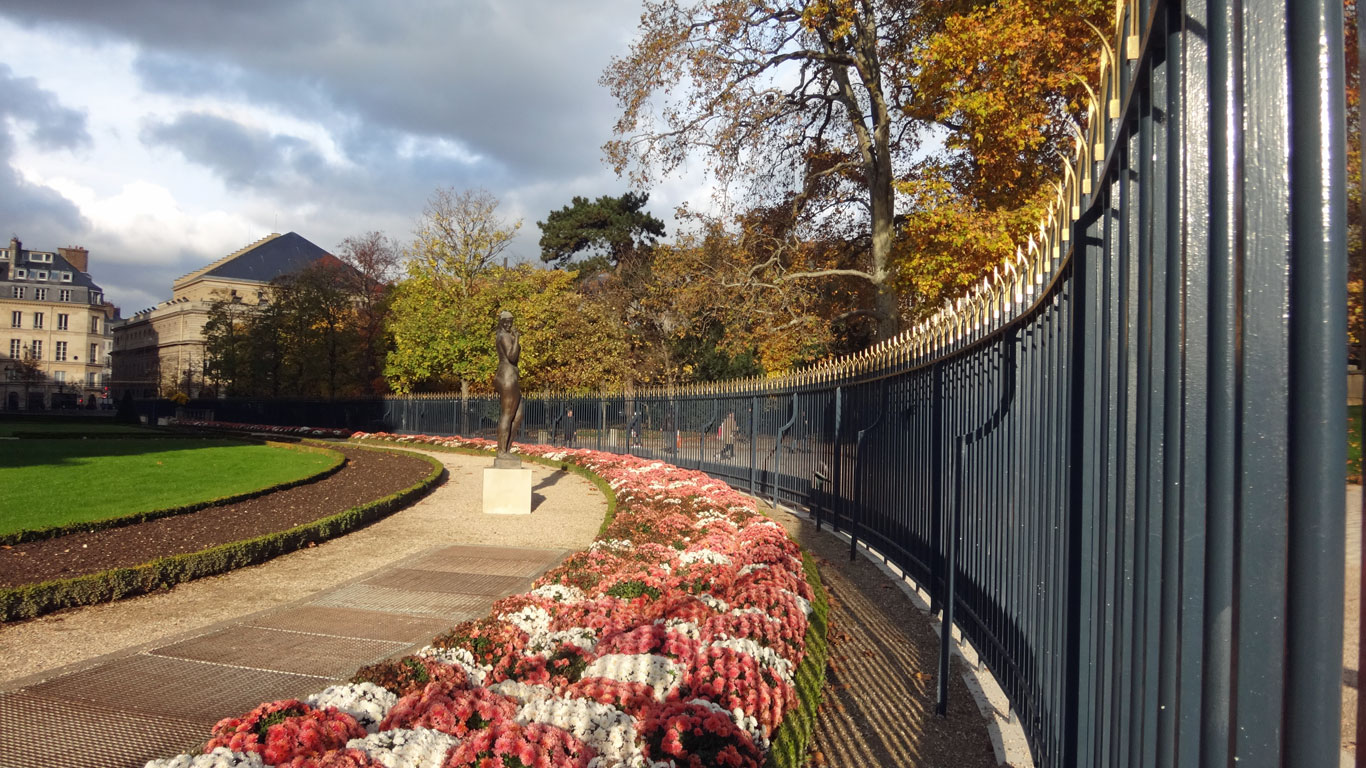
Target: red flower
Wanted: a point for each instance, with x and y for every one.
(453, 711)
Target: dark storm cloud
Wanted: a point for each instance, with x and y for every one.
(516, 82)
(27, 209)
(242, 156)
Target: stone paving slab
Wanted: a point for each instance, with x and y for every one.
(125, 709)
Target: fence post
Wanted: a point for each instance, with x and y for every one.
(754, 444)
(937, 485)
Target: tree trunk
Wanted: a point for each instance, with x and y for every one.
(882, 206)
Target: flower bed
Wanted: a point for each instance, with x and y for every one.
(674, 640)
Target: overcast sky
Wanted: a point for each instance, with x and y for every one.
(164, 134)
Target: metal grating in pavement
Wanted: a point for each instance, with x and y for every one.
(448, 582)
(44, 733)
(368, 597)
(177, 688)
(282, 651)
(348, 622)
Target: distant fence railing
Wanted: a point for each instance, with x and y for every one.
(1118, 465)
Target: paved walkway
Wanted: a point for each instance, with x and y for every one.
(293, 627)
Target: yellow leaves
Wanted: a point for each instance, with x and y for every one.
(833, 18)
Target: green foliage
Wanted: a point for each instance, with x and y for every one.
(614, 229)
(629, 590)
(28, 601)
(443, 338)
(308, 340)
(57, 483)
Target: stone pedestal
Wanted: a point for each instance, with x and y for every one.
(507, 491)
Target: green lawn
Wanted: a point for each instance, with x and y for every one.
(55, 482)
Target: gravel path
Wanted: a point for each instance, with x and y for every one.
(567, 511)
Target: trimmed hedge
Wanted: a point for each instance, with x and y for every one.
(55, 531)
(30, 600)
(792, 741)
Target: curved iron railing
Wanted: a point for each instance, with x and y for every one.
(1118, 464)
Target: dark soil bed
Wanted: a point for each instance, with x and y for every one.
(368, 475)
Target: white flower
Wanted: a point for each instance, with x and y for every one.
(714, 603)
(460, 657)
(404, 748)
(608, 730)
(704, 556)
(747, 723)
(659, 672)
(752, 567)
(682, 627)
(220, 757)
(533, 619)
(801, 601)
(366, 702)
(560, 593)
(764, 655)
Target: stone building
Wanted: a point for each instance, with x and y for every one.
(56, 326)
(160, 350)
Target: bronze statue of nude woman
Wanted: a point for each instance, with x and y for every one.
(505, 383)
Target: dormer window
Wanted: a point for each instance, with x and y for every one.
(66, 277)
(20, 273)
(40, 274)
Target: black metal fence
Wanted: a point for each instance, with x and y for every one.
(1118, 466)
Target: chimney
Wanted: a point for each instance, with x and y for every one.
(77, 256)
(14, 247)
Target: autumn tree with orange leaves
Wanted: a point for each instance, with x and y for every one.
(912, 145)
(1002, 81)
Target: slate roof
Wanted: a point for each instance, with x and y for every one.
(263, 261)
(78, 278)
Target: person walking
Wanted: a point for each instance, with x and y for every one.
(727, 435)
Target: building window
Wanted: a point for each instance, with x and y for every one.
(36, 349)
(62, 321)
(64, 294)
(59, 377)
(37, 319)
(66, 277)
(18, 291)
(16, 319)
(90, 379)
(59, 354)
(95, 324)
(40, 274)
(20, 274)
(95, 297)
(16, 349)
(40, 294)
(94, 353)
